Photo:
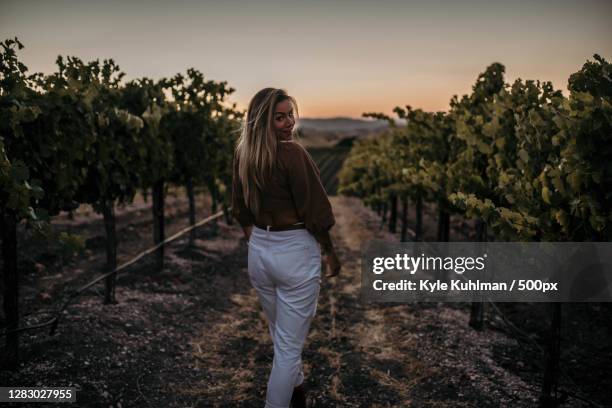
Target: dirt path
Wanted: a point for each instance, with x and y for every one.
(399, 355)
(357, 354)
(193, 335)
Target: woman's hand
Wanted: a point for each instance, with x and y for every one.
(331, 259)
(333, 264)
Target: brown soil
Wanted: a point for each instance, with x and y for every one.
(193, 334)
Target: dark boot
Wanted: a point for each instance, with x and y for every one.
(298, 398)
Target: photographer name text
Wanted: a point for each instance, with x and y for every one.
(433, 286)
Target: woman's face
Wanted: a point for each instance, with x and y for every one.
(283, 119)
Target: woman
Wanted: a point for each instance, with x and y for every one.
(278, 199)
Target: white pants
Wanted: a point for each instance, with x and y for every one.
(285, 270)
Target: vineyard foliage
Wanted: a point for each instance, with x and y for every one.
(529, 162)
(84, 135)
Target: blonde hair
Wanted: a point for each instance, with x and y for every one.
(257, 145)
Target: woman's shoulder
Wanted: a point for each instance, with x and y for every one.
(293, 156)
(290, 144)
(292, 148)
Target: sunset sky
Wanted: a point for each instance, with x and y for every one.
(338, 58)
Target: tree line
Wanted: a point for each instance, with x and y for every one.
(523, 160)
(84, 135)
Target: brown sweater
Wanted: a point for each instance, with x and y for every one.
(295, 188)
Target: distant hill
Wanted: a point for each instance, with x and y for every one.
(315, 132)
(341, 124)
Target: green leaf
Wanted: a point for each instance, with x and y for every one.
(558, 183)
(574, 180)
(546, 195)
(562, 218)
(484, 148)
(597, 222)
